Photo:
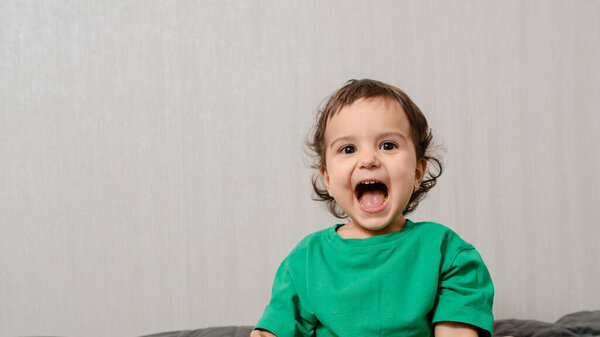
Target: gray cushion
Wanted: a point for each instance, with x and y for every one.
(579, 324)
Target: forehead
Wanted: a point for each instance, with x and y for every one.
(368, 115)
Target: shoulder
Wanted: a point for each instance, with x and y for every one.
(316, 237)
(311, 242)
(440, 238)
(441, 234)
(308, 252)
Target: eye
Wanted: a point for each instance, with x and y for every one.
(387, 146)
(348, 149)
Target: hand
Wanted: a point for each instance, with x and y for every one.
(261, 333)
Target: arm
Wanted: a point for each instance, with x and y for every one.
(261, 333)
(465, 295)
(286, 315)
(451, 329)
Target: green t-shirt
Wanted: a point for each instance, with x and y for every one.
(397, 284)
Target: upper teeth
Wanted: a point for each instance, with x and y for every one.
(368, 182)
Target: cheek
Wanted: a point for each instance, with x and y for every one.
(404, 174)
(339, 180)
(340, 176)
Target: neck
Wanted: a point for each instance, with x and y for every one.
(354, 230)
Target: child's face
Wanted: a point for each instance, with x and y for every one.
(369, 141)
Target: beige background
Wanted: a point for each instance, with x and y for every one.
(152, 173)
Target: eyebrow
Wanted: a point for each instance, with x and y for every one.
(382, 135)
(392, 133)
(338, 140)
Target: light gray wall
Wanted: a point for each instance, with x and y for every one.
(152, 174)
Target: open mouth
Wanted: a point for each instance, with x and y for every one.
(371, 195)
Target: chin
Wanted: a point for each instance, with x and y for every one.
(374, 225)
(381, 222)
(375, 228)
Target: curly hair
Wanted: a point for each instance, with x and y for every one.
(420, 133)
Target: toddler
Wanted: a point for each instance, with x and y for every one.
(380, 274)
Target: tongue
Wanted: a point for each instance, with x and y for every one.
(372, 199)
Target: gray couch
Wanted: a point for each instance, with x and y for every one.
(583, 323)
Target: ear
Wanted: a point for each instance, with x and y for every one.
(420, 170)
(325, 177)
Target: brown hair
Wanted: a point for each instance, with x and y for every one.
(420, 133)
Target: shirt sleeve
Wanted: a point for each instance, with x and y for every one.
(466, 293)
(286, 315)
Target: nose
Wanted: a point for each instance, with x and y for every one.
(368, 159)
